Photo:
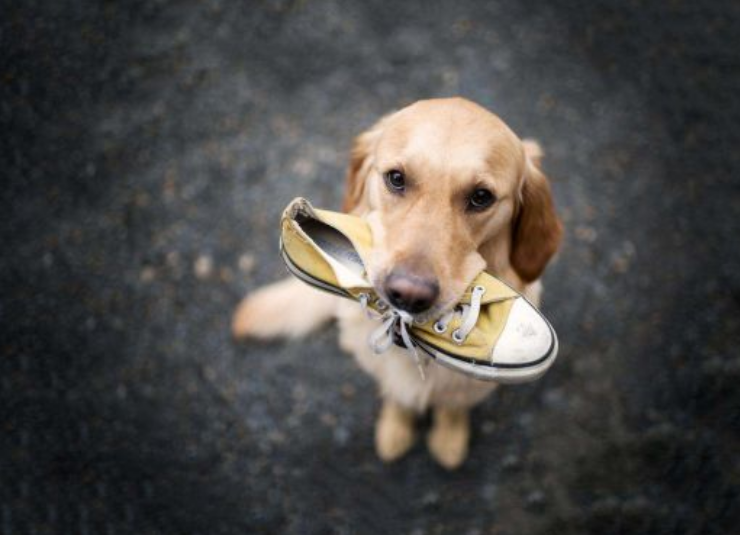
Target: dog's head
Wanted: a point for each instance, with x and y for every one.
(449, 190)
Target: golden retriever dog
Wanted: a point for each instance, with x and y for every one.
(448, 190)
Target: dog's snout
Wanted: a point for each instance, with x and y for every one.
(411, 293)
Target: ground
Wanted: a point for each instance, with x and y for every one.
(148, 149)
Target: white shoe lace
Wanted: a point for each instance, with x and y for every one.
(469, 317)
(398, 322)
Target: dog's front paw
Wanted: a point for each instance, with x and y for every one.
(287, 308)
(394, 432)
(449, 437)
(246, 321)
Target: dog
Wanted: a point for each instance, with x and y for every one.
(448, 190)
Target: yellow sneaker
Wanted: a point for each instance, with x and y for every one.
(325, 249)
(492, 334)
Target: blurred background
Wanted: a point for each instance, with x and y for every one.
(147, 150)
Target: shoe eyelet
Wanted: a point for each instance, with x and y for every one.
(457, 337)
(439, 328)
(480, 289)
(419, 322)
(381, 305)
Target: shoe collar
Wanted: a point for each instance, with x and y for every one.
(351, 227)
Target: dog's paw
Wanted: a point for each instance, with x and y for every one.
(394, 432)
(287, 308)
(248, 319)
(449, 437)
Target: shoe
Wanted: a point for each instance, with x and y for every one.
(325, 249)
(492, 334)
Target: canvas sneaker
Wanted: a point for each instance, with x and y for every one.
(493, 333)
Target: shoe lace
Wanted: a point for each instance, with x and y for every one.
(393, 322)
(398, 322)
(468, 316)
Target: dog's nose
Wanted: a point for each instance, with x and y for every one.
(410, 293)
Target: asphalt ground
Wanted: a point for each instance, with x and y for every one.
(147, 150)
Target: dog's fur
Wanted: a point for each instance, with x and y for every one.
(446, 149)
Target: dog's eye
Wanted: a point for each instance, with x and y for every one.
(481, 199)
(395, 181)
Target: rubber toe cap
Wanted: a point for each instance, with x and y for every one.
(526, 339)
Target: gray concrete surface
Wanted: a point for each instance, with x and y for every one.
(147, 151)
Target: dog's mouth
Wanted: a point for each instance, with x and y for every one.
(435, 312)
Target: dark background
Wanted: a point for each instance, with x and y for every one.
(146, 152)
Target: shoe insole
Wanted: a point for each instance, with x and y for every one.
(335, 244)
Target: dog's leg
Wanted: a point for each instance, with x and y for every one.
(449, 437)
(288, 308)
(394, 431)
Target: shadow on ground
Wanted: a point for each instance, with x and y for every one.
(147, 151)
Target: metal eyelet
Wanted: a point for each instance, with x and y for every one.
(480, 289)
(439, 328)
(457, 337)
(419, 322)
(381, 305)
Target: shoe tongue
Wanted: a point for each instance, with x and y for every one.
(347, 258)
(346, 277)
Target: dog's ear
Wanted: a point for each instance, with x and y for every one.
(361, 161)
(537, 230)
